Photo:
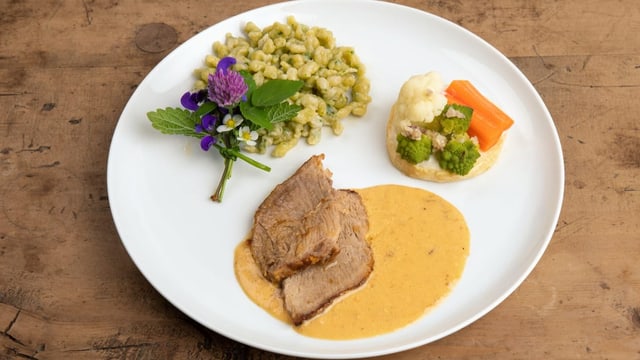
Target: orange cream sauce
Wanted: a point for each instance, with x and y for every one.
(420, 244)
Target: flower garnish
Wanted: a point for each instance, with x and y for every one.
(207, 123)
(191, 100)
(233, 97)
(248, 136)
(230, 122)
(207, 142)
(226, 87)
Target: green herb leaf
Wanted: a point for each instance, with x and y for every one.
(248, 79)
(256, 115)
(174, 121)
(206, 108)
(275, 91)
(282, 112)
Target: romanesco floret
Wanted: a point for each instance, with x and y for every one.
(454, 120)
(414, 151)
(458, 156)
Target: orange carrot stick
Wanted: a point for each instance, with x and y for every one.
(481, 126)
(485, 130)
(470, 96)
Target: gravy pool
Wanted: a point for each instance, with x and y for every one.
(420, 245)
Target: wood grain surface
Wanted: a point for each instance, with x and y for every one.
(68, 289)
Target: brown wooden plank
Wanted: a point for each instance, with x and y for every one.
(68, 289)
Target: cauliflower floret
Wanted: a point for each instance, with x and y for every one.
(421, 98)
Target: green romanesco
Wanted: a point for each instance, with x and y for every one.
(454, 120)
(414, 151)
(458, 156)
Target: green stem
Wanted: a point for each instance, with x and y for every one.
(230, 154)
(228, 151)
(226, 175)
(249, 160)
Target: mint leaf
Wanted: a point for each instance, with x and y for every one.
(174, 121)
(206, 108)
(256, 115)
(275, 91)
(282, 112)
(248, 79)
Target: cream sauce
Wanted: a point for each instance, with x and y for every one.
(420, 244)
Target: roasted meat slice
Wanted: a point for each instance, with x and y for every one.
(307, 292)
(297, 224)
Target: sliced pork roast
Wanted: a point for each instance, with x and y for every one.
(310, 239)
(295, 225)
(306, 293)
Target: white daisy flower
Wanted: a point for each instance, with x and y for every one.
(248, 136)
(230, 122)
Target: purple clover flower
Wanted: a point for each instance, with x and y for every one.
(226, 87)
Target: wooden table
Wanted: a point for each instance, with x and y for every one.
(68, 289)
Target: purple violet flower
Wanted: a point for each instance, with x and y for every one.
(207, 124)
(225, 63)
(191, 100)
(226, 87)
(207, 142)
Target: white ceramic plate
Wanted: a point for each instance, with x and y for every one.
(183, 243)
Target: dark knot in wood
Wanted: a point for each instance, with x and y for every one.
(156, 37)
